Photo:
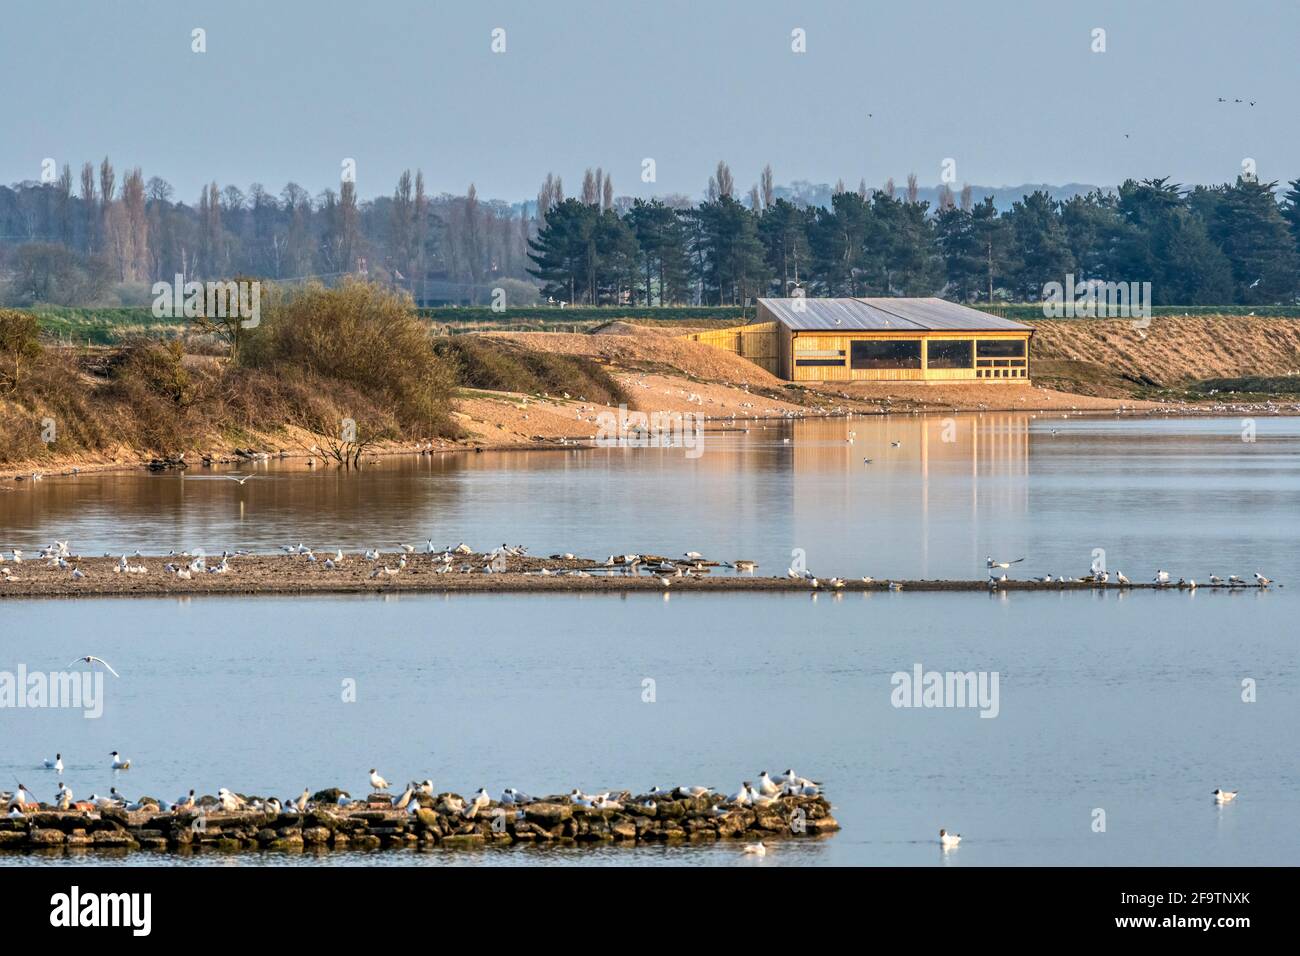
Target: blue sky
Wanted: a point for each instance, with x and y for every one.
(1010, 90)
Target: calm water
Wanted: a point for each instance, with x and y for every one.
(1128, 703)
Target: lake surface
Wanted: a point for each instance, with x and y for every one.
(1126, 703)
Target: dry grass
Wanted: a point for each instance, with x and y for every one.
(649, 349)
(320, 356)
(487, 363)
(1098, 356)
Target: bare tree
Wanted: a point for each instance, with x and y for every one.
(90, 206)
(945, 200)
(549, 196)
(755, 200)
(158, 189)
(768, 187)
(232, 199)
(211, 234)
(107, 181)
(421, 230)
(725, 182)
(347, 453)
(607, 194)
(913, 188)
(889, 187)
(967, 201)
(590, 192)
(63, 198)
(348, 225)
(402, 229)
(135, 253)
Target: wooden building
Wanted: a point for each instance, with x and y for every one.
(879, 340)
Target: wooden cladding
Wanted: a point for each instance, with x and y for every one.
(901, 356)
(756, 342)
(909, 357)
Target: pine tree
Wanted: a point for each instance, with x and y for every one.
(783, 230)
(838, 238)
(959, 246)
(731, 254)
(1290, 209)
(1245, 222)
(1038, 251)
(993, 239)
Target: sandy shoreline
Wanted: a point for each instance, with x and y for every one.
(575, 438)
(296, 575)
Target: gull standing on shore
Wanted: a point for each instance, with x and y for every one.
(742, 797)
(376, 781)
(480, 801)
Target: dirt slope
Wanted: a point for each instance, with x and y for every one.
(637, 347)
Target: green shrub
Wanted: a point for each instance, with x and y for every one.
(361, 335)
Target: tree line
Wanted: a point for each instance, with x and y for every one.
(84, 243)
(81, 243)
(1208, 245)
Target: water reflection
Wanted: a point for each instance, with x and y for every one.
(1168, 493)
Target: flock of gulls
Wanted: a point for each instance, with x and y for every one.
(459, 559)
(462, 559)
(997, 571)
(766, 792)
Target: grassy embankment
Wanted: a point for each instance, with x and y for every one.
(319, 356)
(1213, 358)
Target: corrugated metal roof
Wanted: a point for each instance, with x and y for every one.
(884, 315)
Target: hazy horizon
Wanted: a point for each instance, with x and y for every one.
(1014, 96)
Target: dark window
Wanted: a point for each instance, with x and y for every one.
(949, 354)
(839, 362)
(1000, 348)
(886, 353)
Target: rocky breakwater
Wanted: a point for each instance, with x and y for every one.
(445, 820)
